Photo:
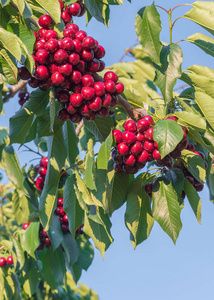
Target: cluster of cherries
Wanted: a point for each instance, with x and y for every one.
(43, 237)
(6, 262)
(23, 97)
(68, 65)
(59, 211)
(76, 9)
(41, 168)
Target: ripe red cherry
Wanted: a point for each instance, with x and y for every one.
(190, 179)
(61, 5)
(80, 35)
(93, 65)
(65, 219)
(156, 144)
(42, 56)
(102, 66)
(65, 69)
(149, 187)
(3, 262)
(60, 202)
(44, 162)
(71, 109)
(69, 33)
(117, 168)
(119, 88)
(41, 73)
(74, 9)
(84, 110)
(143, 157)
(140, 137)
(47, 242)
(57, 78)
(65, 17)
(59, 211)
(76, 88)
(200, 154)
(67, 44)
(39, 185)
(143, 125)
(149, 146)
(110, 86)
(130, 159)
(74, 58)
(95, 104)
(110, 76)
(50, 34)
(75, 118)
(156, 154)
(103, 112)
(82, 9)
(39, 45)
(88, 42)
(128, 137)
(136, 148)
(51, 46)
(63, 96)
(88, 80)
(45, 21)
(60, 56)
(172, 118)
(88, 93)
(123, 148)
(24, 74)
(130, 125)
(72, 26)
(76, 99)
(118, 135)
(99, 88)
(25, 225)
(42, 32)
(100, 53)
(77, 46)
(87, 54)
(76, 77)
(199, 188)
(10, 260)
(149, 119)
(63, 115)
(33, 82)
(149, 134)
(40, 180)
(107, 100)
(42, 171)
(64, 227)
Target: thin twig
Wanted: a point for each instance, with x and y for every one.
(162, 8)
(14, 89)
(180, 5)
(127, 51)
(31, 150)
(78, 128)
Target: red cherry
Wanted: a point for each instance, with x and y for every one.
(76, 99)
(80, 35)
(130, 159)
(51, 46)
(60, 202)
(87, 54)
(106, 100)
(110, 76)
(42, 171)
(77, 46)
(156, 144)
(47, 243)
(67, 44)
(36, 35)
(130, 125)
(102, 66)
(3, 262)
(10, 260)
(110, 86)
(88, 93)
(143, 157)
(24, 74)
(64, 227)
(149, 187)
(149, 119)
(50, 34)
(74, 58)
(93, 65)
(118, 135)
(76, 88)
(91, 116)
(103, 112)
(117, 168)
(65, 219)
(100, 53)
(25, 226)
(76, 77)
(149, 146)
(72, 26)
(84, 110)
(42, 56)
(63, 96)
(75, 118)
(41, 73)
(69, 33)
(40, 180)
(37, 167)
(61, 5)
(71, 109)
(130, 169)
(190, 147)
(99, 88)
(172, 118)
(60, 56)
(45, 21)
(95, 104)
(123, 148)
(190, 179)
(82, 9)
(74, 9)
(57, 78)
(88, 80)
(128, 137)
(140, 137)
(59, 211)
(65, 69)
(33, 82)
(44, 162)
(199, 188)
(88, 42)
(66, 17)
(156, 154)
(136, 148)
(119, 88)
(143, 125)
(200, 154)
(149, 134)
(42, 32)
(39, 45)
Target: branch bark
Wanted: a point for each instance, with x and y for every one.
(78, 128)
(14, 89)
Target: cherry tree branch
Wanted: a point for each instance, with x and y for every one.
(78, 128)
(127, 51)
(14, 89)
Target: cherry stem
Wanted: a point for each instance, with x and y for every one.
(181, 5)
(170, 26)
(176, 20)
(31, 150)
(162, 8)
(73, 166)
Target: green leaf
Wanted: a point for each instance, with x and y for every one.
(192, 119)
(19, 252)
(24, 8)
(71, 141)
(202, 13)
(8, 68)
(210, 183)
(11, 43)
(100, 127)
(100, 234)
(55, 233)
(167, 134)
(71, 205)
(176, 177)
(30, 238)
(99, 10)
(204, 42)
(194, 199)
(21, 207)
(138, 216)
(167, 75)
(56, 160)
(148, 28)
(83, 189)
(71, 249)
(104, 153)
(195, 136)
(52, 7)
(52, 109)
(194, 164)
(86, 252)
(89, 171)
(32, 277)
(166, 209)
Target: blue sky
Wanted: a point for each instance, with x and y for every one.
(157, 269)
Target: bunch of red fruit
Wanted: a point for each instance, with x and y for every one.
(68, 65)
(23, 97)
(41, 168)
(59, 211)
(6, 261)
(43, 237)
